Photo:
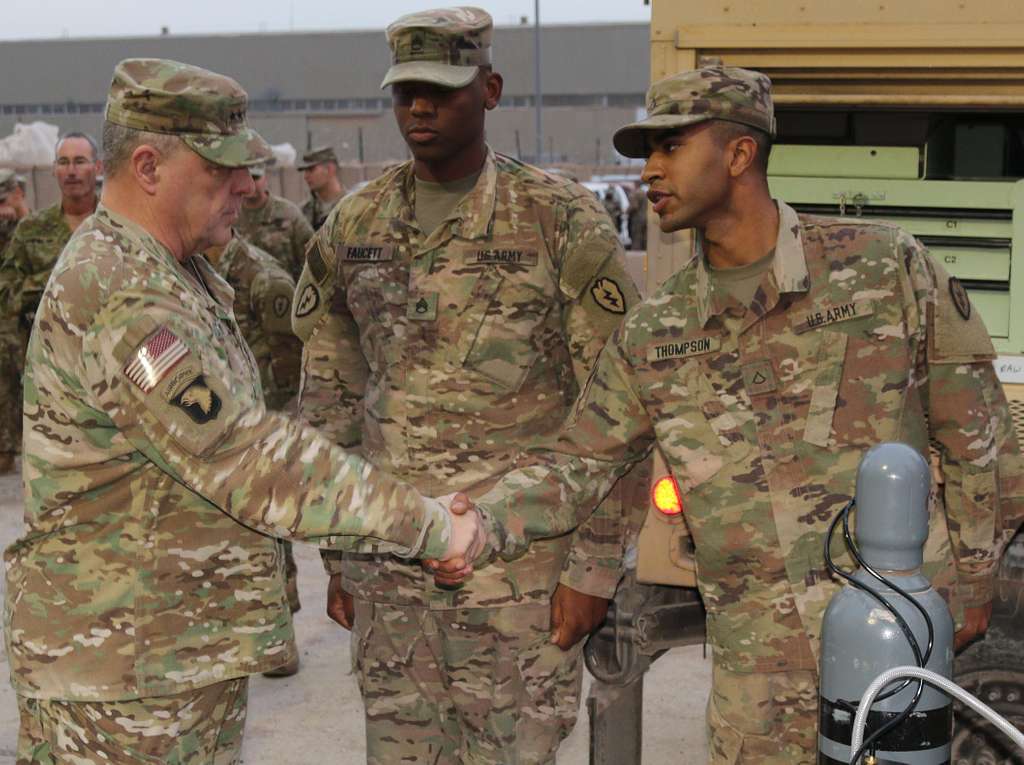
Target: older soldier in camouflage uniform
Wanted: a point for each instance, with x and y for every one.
(12, 209)
(274, 224)
(37, 242)
(263, 301)
(450, 310)
(762, 371)
(320, 171)
(148, 585)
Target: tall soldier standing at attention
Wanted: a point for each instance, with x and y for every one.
(148, 584)
(12, 209)
(35, 245)
(274, 224)
(450, 311)
(763, 370)
(320, 171)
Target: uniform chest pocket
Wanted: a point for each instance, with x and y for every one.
(698, 433)
(376, 294)
(860, 387)
(499, 331)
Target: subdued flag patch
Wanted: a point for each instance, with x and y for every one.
(152, 360)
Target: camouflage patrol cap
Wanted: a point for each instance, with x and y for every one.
(711, 93)
(8, 182)
(444, 46)
(316, 156)
(205, 109)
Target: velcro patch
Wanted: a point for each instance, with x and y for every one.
(198, 401)
(154, 359)
(503, 257)
(365, 253)
(308, 301)
(759, 377)
(683, 349)
(833, 314)
(422, 307)
(315, 261)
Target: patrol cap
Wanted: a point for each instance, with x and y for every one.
(444, 46)
(318, 155)
(205, 109)
(710, 93)
(8, 182)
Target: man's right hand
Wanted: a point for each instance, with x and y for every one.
(467, 543)
(340, 606)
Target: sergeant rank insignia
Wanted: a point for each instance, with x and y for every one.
(152, 360)
(197, 401)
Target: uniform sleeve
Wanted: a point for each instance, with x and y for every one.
(301, 234)
(561, 481)
(969, 423)
(334, 370)
(168, 387)
(597, 293)
(272, 303)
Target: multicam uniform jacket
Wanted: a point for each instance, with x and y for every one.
(153, 474)
(855, 337)
(280, 228)
(315, 212)
(263, 302)
(442, 357)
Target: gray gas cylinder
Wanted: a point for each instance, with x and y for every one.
(860, 638)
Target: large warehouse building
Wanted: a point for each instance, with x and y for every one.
(317, 88)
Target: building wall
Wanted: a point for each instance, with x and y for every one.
(323, 87)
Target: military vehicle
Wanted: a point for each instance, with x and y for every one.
(910, 112)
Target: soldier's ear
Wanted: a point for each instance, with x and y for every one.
(145, 165)
(493, 84)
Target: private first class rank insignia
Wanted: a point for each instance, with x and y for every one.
(152, 360)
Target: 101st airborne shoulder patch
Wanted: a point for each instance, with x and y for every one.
(607, 294)
(198, 401)
(154, 359)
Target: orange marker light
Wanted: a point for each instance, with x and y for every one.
(666, 497)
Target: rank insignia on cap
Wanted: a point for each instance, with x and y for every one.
(960, 299)
(157, 356)
(198, 401)
(608, 295)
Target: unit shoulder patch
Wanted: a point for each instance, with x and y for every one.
(960, 298)
(608, 295)
(198, 401)
(308, 301)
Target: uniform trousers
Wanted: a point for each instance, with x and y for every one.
(479, 686)
(768, 718)
(200, 727)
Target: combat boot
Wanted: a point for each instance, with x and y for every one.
(287, 670)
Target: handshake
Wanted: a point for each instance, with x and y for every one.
(468, 542)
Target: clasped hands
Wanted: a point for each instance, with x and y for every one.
(468, 541)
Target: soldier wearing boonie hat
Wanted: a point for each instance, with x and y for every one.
(762, 370)
(179, 480)
(320, 171)
(424, 305)
(10, 344)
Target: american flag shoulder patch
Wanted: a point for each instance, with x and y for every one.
(151, 361)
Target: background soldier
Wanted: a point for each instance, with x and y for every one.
(274, 224)
(638, 218)
(320, 170)
(262, 307)
(13, 205)
(450, 309)
(612, 206)
(34, 247)
(763, 370)
(148, 584)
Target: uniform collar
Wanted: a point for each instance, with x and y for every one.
(472, 216)
(787, 274)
